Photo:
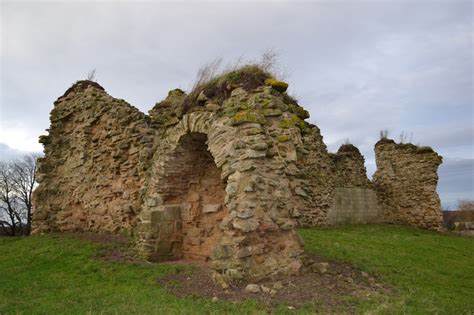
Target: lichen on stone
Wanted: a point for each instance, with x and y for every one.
(176, 92)
(279, 86)
(298, 110)
(283, 138)
(271, 112)
(292, 122)
(247, 116)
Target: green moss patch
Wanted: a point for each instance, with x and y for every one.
(247, 116)
(283, 138)
(279, 86)
(271, 112)
(291, 122)
(298, 110)
(176, 92)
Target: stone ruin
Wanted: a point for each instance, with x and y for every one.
(223, 175)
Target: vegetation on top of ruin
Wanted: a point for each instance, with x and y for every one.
(81, 85)
(405, 142)
(407, 146)
(219, 88)
(348, 147)
(385, 140)
(215, 83)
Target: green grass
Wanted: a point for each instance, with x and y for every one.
(51, 274)
(431, 272)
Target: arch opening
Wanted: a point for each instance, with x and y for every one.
(193, 198)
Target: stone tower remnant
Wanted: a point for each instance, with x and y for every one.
(223, 175)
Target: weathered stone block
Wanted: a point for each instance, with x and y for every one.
(210, 208)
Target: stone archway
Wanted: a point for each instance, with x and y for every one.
(211, 196)
(192, 196)
(185, 205)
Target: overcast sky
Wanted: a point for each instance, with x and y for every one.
(357, 66)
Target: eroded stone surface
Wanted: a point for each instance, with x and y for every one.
(355, 200)
(96, 154)
(224, 177)
(406, 180)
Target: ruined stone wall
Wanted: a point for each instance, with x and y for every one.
(252, 138)
(355, 200)
(95, 156)
(223, 175)
(405, 181)
(315, 172)
(349, 169)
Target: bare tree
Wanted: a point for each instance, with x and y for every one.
(466, 204)
(17, 182)
(11, 214)
(24, 176)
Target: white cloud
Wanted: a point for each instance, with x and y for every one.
(18, 136)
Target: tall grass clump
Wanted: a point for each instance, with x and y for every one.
(213, 81)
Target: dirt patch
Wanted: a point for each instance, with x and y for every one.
(333, 287)
(118, 248)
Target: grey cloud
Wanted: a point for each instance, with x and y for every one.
(456, 181)
(8, 154)
(357, 66)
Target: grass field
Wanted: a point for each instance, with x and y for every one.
(52, 274)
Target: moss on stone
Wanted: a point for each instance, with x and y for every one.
(267, 104)
(291, 122)
(271, 112)
(244, 106)
(280, 86)
(298, 110)
(229, 111)
(283, 138)
(253, 131)
(247, 116)
(176, 92)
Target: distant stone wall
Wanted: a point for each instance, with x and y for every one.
(95, 159)
(349, 169)
(405, 181)
(355, 206)
(355, 201)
